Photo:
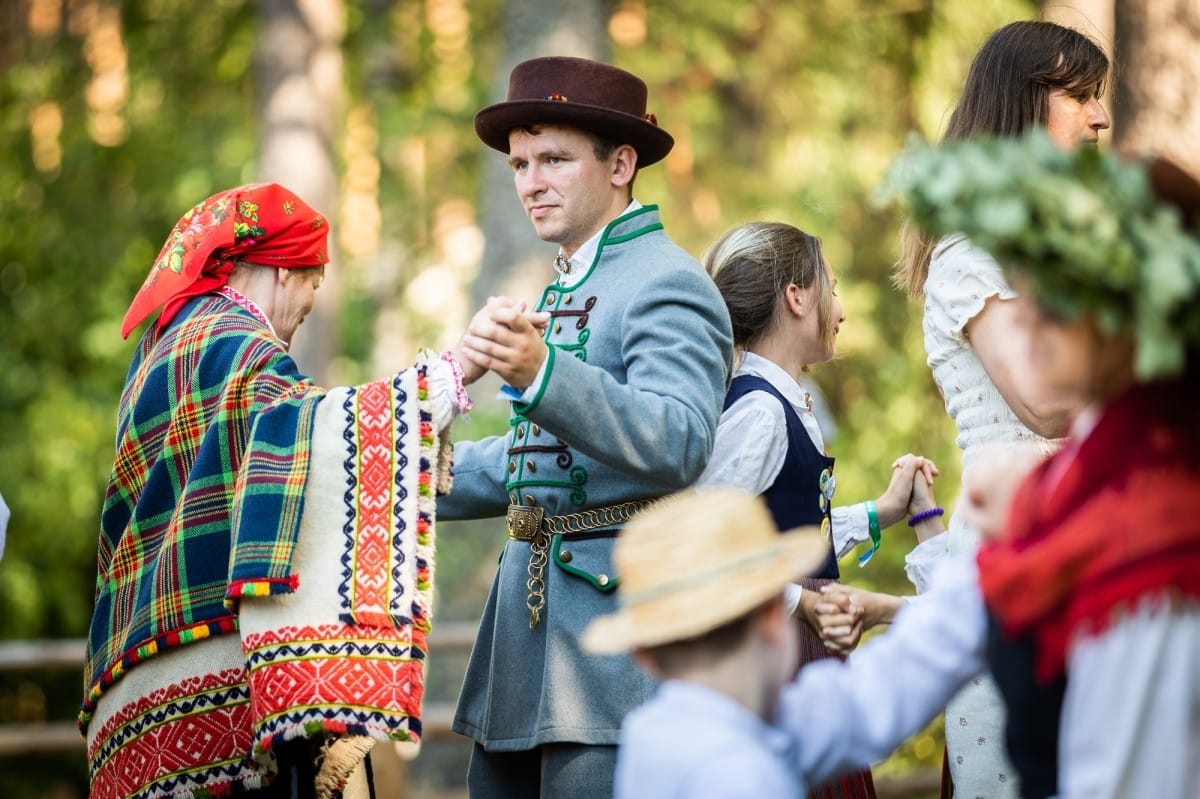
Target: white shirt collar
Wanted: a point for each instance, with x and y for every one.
(582, 258)
(774, 374)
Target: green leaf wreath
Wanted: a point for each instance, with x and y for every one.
(1083, 228)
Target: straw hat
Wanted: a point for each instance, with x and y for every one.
(581, 93)
(695, 561)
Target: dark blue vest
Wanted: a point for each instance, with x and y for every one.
(795, 496)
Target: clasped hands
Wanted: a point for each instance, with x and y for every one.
(841, 613)
(506, 338)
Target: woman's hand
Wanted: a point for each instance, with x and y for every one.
(896, 502)
(507, 339)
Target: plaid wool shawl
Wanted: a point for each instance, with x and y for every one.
(207, 394)
(338, 652)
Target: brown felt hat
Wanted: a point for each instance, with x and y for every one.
(695, 561)
(585, 94)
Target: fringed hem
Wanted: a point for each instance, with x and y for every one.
(341, 758)
(148, 649)
(265, 587)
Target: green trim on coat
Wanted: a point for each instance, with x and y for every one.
(612, 583)
(525, 409)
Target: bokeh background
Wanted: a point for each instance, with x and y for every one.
(116, 117)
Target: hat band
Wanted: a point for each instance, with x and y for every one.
(692, 580)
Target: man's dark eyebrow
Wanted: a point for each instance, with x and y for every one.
(541, 155)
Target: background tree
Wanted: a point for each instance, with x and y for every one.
(300, 82)
(1155, 103)
(514, 259)
(113, 121)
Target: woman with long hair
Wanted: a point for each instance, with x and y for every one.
(1027, 74)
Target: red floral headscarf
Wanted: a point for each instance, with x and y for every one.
(260, 223)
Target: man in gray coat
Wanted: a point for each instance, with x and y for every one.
(615, 403)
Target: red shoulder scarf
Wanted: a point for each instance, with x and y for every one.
(1121, 524)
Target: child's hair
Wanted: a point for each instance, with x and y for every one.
(753, 264)
(678, 657)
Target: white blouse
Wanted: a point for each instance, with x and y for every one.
(962, 278)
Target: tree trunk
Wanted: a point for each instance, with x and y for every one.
(299, 73)
(1158, 59)
(1094, 18)
(13, 16)
(515, 262)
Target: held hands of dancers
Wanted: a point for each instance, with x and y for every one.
(896, 502)
(845, 612)
(838, 616)
(841, 613)
(924, 515)
(506, 338)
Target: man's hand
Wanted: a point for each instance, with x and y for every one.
(506, 339)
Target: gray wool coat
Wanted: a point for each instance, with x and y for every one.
(639, 362)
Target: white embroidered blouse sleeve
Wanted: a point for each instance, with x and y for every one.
(922, 560)
(850, 527)
(444, 391)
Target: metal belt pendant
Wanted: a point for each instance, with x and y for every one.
(536, 583)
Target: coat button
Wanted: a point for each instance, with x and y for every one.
(565, 555)
(602, 580)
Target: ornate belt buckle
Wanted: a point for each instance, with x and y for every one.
(524, 522)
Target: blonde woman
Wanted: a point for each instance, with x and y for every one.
(783, 304)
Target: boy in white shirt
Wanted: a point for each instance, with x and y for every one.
(702, 607)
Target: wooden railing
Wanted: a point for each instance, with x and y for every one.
(18, 740)
(65, 655)
(50, 736)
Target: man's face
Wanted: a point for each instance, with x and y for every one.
(567, 194)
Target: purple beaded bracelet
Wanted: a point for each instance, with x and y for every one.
(917, 518)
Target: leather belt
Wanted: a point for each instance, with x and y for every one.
(525, 522)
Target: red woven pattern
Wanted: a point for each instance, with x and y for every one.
(195, 737)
